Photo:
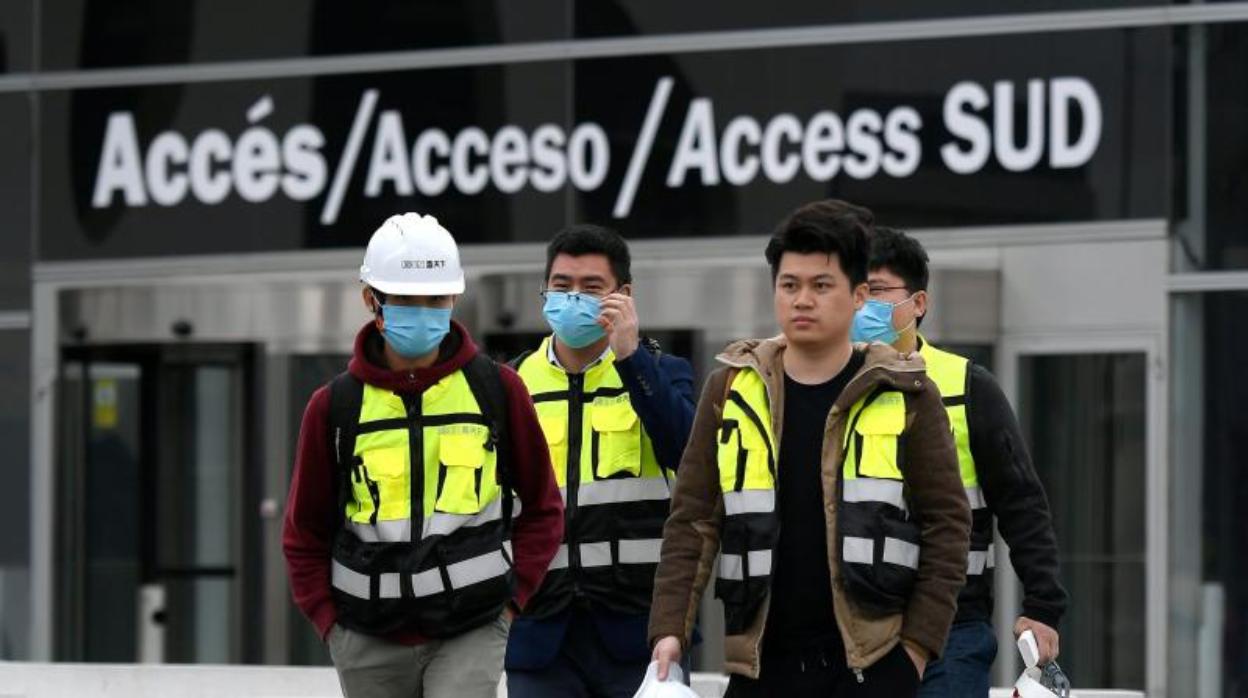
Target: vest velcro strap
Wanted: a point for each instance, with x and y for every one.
(875, 490)
(749, 502)
(756, 563)
(636, 489)
(980, 561)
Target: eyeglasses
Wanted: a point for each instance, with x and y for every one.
(877, 290)
(592, 294)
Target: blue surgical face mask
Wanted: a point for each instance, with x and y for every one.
(574, 317)
(874, 322)
(414, 331)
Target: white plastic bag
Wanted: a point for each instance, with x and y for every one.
(1029, 684)
(673, 687)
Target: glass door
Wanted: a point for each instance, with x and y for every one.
(1084, 417)
(155, 542)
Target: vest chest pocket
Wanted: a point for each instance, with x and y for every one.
(742, 457)
(460, 471)
(876, 439)
(555, 429)
(379, 483)
(616, 447)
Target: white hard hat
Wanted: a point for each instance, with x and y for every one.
(413, 255)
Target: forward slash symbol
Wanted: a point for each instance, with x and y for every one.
(641, 151)
(346, 166)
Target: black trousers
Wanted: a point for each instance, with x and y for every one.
(821, 672)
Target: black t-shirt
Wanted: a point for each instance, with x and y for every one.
(801, 587)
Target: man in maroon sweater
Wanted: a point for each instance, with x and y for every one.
(402, 542)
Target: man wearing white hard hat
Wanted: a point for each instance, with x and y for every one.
(423, 512)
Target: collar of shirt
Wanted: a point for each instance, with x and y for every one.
(554, 360)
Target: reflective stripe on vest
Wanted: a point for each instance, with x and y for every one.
(456, 474)
(609, 478)
(951, 374)
(438, 524)
(746, 460)
(879, 540)
(631, 552)
(438, 449)
(426, 583)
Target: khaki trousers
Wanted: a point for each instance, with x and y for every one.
(467, 666)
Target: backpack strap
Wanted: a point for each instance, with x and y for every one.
(346, 394)
(487, 387)
(515, 362)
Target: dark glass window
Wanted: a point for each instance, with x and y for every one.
(1225, 146)
(15, 472)
(1225, 490)
(1083, 416)
(15, 201)
(17, 27)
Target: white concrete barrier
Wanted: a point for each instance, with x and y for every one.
(31, 680)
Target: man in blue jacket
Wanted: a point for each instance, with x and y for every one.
(616, 412)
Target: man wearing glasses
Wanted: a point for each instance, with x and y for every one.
(616, 413)
(996, 472)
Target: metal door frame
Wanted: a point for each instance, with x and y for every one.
(1154, 346)
(152, 361)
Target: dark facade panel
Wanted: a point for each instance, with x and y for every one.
(15, 434)
(123, 33)
(1226, 147)
(15, 201)
(17, 29)
(641, 17)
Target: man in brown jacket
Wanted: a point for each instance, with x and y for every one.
(824, 476)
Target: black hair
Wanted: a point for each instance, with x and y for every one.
(829, 226)
(901, 254)
(586, 238)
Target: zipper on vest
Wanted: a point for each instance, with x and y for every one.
(575, 418)
(416, 458)
(576, 414)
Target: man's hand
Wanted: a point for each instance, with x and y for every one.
(619, 319)
(1046, 637)
(509, 612)
(918, 658)
(666, 652)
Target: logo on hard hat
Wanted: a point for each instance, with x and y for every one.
(423, 264)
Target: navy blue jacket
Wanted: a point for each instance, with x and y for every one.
(661, 391)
